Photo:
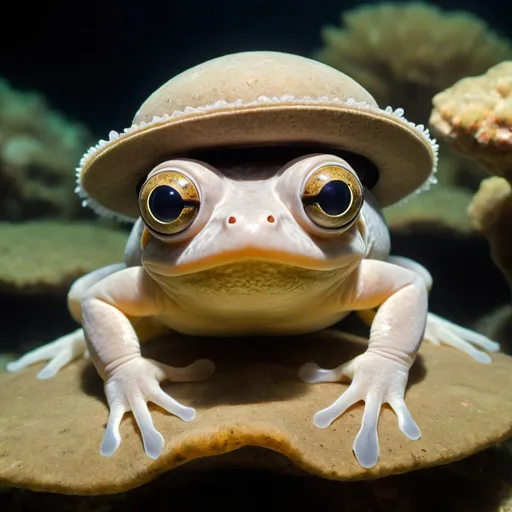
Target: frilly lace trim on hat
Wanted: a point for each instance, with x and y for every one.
(262, 100)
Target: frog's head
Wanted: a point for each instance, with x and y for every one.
(299, 213)
(229, 232)
(254, 214)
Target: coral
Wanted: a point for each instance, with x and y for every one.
(39, 150)
(47, 256)
(490, 213)
(252, 402)
(404, 53)
(475, 117)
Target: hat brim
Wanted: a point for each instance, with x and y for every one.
(404, 154)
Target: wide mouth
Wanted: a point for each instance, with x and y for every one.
(251, 255)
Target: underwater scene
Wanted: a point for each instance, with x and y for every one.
(259, 252)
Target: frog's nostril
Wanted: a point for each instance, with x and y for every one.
(269, 218)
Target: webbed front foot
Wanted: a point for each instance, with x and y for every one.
(134, 383)
(375, 380)
(58, 353)
(439, 330)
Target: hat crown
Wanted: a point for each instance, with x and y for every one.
(246, 76)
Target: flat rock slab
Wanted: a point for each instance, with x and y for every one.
(50, 431)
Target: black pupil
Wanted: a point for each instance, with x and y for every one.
(165, 203)
(334, 198)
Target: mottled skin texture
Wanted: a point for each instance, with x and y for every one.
(272, 270)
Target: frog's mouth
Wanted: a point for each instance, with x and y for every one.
(343, 260)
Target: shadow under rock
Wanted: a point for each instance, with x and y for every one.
(479, 483)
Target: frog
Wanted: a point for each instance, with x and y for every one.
(254, 232)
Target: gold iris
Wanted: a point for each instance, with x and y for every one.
(168, 202)
(332, 196)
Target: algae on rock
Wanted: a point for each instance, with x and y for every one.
(252, 401)
(45, 257)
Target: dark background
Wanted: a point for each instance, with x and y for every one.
(98, 60)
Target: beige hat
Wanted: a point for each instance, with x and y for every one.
(257, 99)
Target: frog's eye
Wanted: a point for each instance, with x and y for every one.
(332, 196)
(168, 202)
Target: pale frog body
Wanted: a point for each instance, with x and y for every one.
(284, 247)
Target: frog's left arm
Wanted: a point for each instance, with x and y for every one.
(402, 300)
(439, 330)
(380, 374)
